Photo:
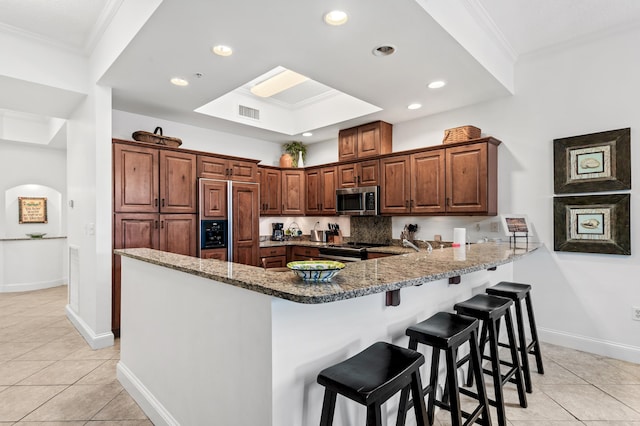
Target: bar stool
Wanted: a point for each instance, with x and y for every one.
(490, 310)
(447, 331)
(370, 378)
(517, 292)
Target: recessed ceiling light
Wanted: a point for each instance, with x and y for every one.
(222, 50)
(336, 17)
(414, 106)
(307, 134)
(179, 81)
(436, 84)
(384, 50)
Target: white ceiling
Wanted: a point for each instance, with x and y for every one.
(177, 39)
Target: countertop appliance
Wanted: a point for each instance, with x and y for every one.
(362, 201)
(347, 252)
(278, 231)
(229, 219)
(213, 233)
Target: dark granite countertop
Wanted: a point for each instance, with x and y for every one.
(355, 280)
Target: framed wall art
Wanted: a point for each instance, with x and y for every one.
(32, 210)
(592, 224)
(592, 163)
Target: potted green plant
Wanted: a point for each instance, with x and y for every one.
(297, 150)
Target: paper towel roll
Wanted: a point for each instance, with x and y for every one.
(459, 236)
(459, 253)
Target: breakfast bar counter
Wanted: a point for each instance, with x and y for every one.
(211, 342)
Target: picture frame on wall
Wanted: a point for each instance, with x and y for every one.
(32, 209)
(592, 163)
(593, 224)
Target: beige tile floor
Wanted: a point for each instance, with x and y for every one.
(49, 376)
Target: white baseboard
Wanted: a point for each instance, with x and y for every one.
(96, 341)
(145, 399)
(17, 287)
(590, 344)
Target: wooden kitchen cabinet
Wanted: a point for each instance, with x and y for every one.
(321, 191)
(453, 180)
(472, 179)
(218, 253)
(413, 183)
(213, 199)
(153, 180)
(175, 233)
(270, 191)
(361, 173)
(217, 167)
(274, 257)
(246, 222)
(293, 192)
(303, 253)
(364, 141)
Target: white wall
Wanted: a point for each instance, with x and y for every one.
(25, 164)
(582, 300)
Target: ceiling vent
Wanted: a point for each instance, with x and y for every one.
(248, 112)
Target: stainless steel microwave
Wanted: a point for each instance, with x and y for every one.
(361, 201)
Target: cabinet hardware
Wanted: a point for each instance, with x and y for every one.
(162, 224)
(411, 203)
(163, 202)
(406, 203)
(156, 224)
(155, 202)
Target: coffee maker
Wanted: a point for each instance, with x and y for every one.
(278, 232)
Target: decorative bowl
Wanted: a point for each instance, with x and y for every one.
(36, 235)
(316, 271)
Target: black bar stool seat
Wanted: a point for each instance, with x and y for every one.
(517, 292)
(490, 310)
(370, 378)
(446, 331)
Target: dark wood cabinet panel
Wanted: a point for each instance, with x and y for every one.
(270, 191)
(303, 253)
(178, 234)
(293, 192)
(274, 262)
(347, 144)
(314, 186)
(135, 178)
(177, 182)
(213, 199)
(471, 179)
(220, 254)
(362, 173)
(329, 181)
(321, 191)
(246, 223)
(368, 140)
(427, 182)
(395, 184)
(213, 167)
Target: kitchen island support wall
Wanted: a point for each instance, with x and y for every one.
(197, 351)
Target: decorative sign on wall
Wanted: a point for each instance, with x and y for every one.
(592, 163)
(592, 224)
(32, 209)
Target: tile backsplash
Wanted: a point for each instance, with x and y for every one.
(371, 229)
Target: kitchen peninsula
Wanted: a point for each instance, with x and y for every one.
(211, 342)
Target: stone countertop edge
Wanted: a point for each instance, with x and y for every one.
(31, 239)
(355, 280)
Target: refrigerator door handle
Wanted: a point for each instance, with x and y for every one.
(230, 221)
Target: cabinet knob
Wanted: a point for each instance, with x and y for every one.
(162, 224)
(155, 202)
(156, 224)
(406, 203)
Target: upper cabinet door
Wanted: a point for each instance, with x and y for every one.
(467, 179)
(328, 185)
(243, 171)
(369, 140)
(177, 182)
(212, 167)
(428, 182)
(135, 179)
(293, 192)
(395, 185)
(368, 173)
(314, 186)
(213, 199)
(348, 144)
